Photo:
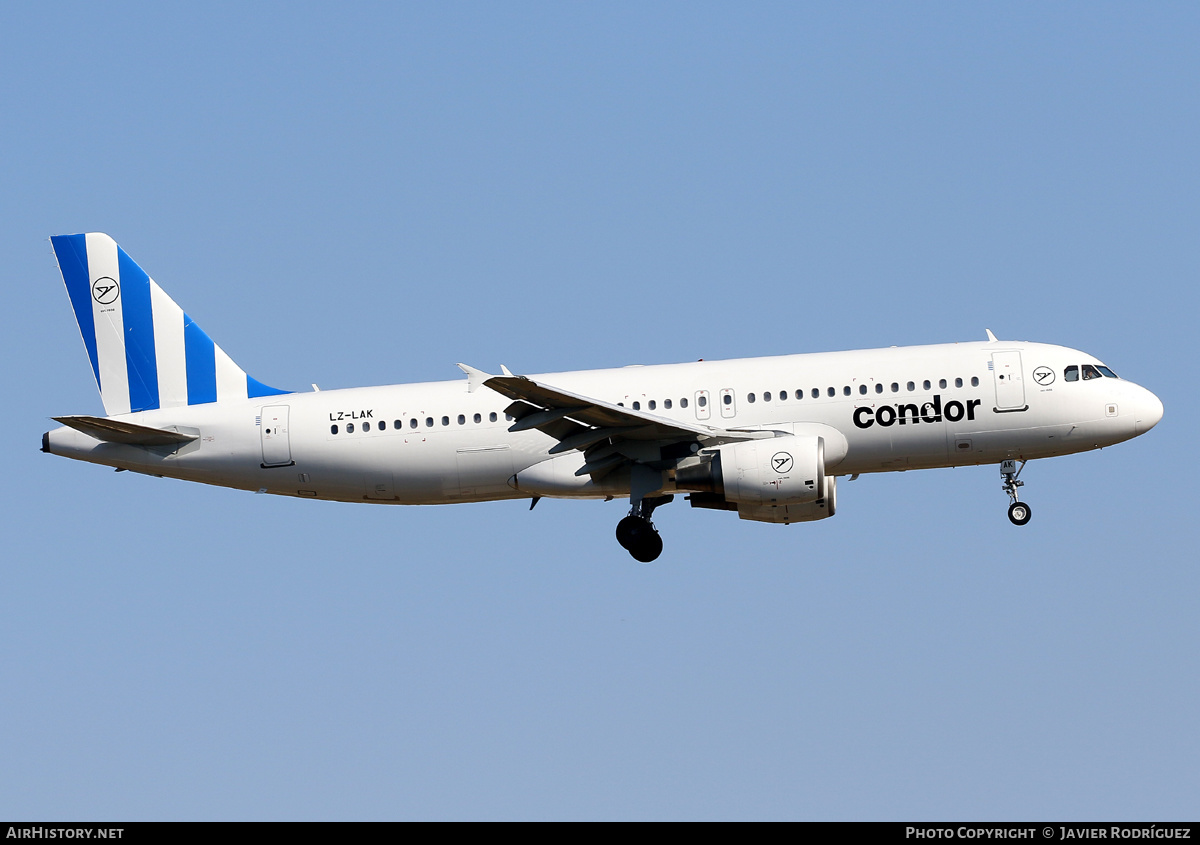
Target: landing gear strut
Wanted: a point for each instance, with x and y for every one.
(1018, 512)
(637, 534)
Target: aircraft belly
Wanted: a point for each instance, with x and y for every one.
(484, 471)
(395, 468)
(998, 444)
(439, 468)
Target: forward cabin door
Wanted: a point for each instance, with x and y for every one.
(276, 447)
(1010, 387)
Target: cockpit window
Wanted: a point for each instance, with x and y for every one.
(1107, 372)
(1090, 372)
(1071, 373)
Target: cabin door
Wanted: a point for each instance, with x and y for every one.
(276, 447)
(1010, 387)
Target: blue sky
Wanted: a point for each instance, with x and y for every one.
(367, 195)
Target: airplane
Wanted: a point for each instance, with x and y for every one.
(764, 437)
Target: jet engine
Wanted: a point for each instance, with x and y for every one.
(785, 470)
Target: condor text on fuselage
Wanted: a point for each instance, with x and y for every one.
(767, 438)
(929, 412)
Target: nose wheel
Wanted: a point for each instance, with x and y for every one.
(1019, 512)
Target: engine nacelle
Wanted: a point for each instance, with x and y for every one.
(776, 471)
(786, 514)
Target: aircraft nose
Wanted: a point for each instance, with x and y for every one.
(1149, 411)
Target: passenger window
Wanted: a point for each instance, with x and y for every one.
(412, 423)
(783, 396)
(942, 383)
(667, 404)
(492, 416)
(702, 401)
(862, 389)
(478, 418)
(366, 426)
(462, 420)
(879, 387)
(729, 399)
(653, 404)
(767, 396)
(333, 429)
(974, 381)
(816, 393)
(637, 406)
(429, 422)
(445, 421)
(846, 390)
(926, 385)
(832, 391)
(958, 382)
(349, 428)
(911, 387)
(683, 402)
(1090, 372)
(799, 394)
(895, 387)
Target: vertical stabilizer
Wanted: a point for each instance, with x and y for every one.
(146, 353)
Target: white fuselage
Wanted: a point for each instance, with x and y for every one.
(897, 409)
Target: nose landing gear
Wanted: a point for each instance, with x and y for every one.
(1019, 512)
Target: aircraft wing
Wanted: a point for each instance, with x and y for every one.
(609, 435)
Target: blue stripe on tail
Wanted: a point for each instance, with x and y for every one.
(255, 389)
(201, 363)
(71, 251)
(140, 358)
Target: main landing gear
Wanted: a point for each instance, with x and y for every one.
(1018, 512)
(637, 534)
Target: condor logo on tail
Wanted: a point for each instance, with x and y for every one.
(930, 412)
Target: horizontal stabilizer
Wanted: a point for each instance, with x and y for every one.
(114, 431)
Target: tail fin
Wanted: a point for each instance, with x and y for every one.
(145, 352)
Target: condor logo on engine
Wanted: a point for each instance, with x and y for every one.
(781, 462)
(929, 412)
